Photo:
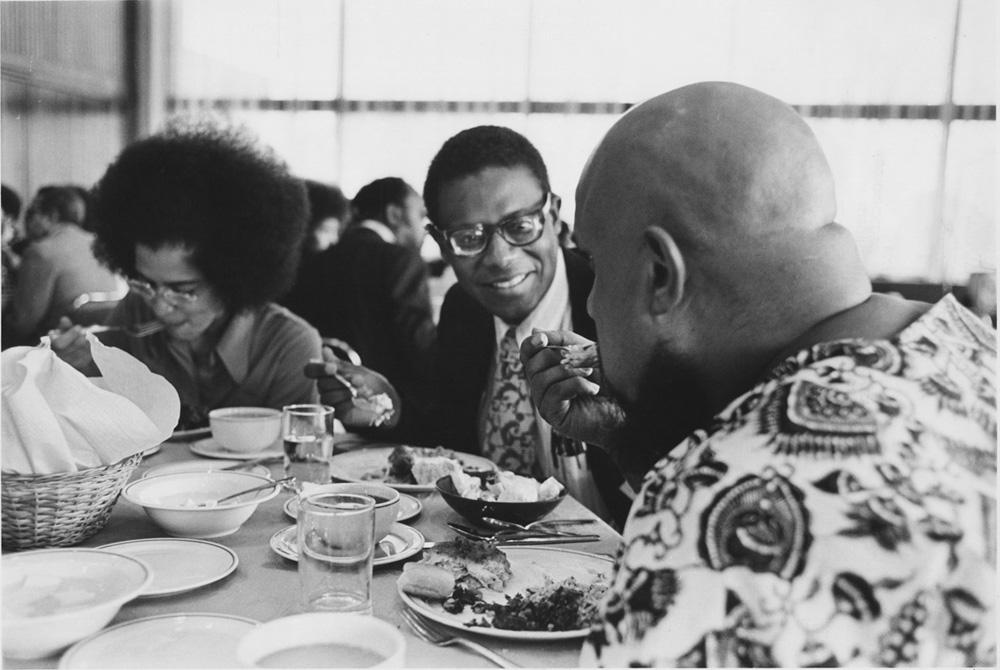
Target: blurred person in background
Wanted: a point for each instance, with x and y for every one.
(329, 214)
(497, 224)
(370, 289)
(11, 216)
(208, 228)
(57, 266)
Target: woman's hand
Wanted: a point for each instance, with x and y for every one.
(361, 397)
(568, 396)
(70, 343)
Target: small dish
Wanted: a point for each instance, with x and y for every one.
(54, 597)
(201, 465)
(402, 542)
(409, 507)
(245, 430)
(163, 641)
(209, 448)
(175, 502)
(474, 510)
(313, 639)
(179, 564)
(155, 449)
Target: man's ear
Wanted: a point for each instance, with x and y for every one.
(393, 215)
(669, 273)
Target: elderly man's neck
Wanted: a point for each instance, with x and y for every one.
(829, 303)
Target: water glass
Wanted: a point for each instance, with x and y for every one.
(307, 431)
(336, 537)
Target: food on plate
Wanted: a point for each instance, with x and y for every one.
(507, 487)
(473, 574)
(554, 606)
(427, 581)
(415, 465)
(473, 564)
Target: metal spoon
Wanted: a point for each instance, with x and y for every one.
(269, 485)
(510, 525)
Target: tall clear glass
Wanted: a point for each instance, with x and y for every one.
(336, 538)
(307, 431)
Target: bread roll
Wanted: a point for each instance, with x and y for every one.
(426, 581)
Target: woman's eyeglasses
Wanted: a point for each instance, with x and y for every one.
(172, 296)
(519, 230)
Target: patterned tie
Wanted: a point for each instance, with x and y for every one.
(510, 422)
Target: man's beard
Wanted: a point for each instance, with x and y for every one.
(670, 405)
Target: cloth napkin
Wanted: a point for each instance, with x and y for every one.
(55, 419)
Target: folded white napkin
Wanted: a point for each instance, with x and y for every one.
(57, 420)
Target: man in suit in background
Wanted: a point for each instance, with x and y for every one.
(370, 289)
(497, 223)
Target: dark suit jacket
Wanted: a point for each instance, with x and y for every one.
(465, 346)
(374, 296)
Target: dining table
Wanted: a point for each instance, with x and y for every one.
(265, 586)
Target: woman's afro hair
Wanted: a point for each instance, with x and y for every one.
(214, 191)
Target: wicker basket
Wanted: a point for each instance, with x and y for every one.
(62, 509)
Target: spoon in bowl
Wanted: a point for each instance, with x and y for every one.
(269, 485)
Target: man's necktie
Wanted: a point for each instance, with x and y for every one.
(510, 423)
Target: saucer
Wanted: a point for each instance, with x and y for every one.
(178, 564)
(183, 640)
(212, 449)
(409, 507)
(402, 542)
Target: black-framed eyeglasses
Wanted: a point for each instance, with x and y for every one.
(173, 296)
(520, 230)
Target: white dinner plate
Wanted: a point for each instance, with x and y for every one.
(201, 465)
(371, 464)
(178, 564)
(164, 641)
(409, 507)
(402, 542)
(212, 449)
(529, 566)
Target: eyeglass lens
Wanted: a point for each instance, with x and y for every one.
(519, 230)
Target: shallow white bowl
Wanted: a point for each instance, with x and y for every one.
(245, 430)
(171, 501)
(386, 501)
(54, 597)
(288, 635)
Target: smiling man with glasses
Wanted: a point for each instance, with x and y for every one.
(497, 223)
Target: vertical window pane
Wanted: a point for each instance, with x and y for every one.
(887, 176)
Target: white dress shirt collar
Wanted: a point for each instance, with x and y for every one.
(380, 229)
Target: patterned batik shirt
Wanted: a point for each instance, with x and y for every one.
(842, 512)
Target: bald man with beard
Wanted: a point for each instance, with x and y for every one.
(819, 460)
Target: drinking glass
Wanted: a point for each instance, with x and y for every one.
(307, 431)
(336, 537)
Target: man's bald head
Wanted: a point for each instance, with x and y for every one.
(725, 161)
(715, 205)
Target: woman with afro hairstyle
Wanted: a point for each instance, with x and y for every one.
(208, 229)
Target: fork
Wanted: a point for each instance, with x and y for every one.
(134, 330)
(429, 632)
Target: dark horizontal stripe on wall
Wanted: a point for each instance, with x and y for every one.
(970, 112)
(24, 104)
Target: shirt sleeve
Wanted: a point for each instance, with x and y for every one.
(290, 344)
